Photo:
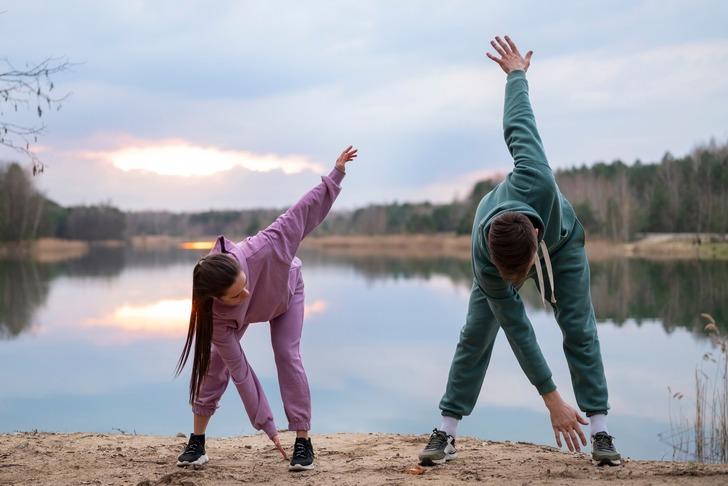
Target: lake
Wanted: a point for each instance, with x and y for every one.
(90, 345)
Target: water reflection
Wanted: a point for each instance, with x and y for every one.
(378, 330)
(674, 292)
(25, 283)
(23, 287)
(163, 318)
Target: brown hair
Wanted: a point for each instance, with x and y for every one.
(512, 244)
(211, 277)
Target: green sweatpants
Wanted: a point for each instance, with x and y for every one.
(575, 316)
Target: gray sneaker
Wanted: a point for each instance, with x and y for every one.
(439, 449)
(603, 450)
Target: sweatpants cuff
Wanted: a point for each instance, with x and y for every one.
(447, 413)
(203, 410)
(546, 387)
(294, 426)
(596, 412)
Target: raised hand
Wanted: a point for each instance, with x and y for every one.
(510, 59)
(347, 155)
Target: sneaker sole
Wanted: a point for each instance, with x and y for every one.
(203, 459)
(300, 467)
(436, 462)
(607, 462)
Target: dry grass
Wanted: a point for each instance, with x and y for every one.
(407, 246)
(705, 437)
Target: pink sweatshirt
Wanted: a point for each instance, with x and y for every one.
(268, 259)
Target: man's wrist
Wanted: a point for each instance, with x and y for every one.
(551, 398)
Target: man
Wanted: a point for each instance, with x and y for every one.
(524, 228)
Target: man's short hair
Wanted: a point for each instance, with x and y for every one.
(512, 245)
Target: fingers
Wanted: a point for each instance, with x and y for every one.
(283, 452)
(498, 48)
(558, 438)
(348, 154)
(492, 57)
(503, 45)
(512, 45)
(574, 440)
(528, 56)
(567, 438)
(277, 443)
(581, 419)
(581, 436)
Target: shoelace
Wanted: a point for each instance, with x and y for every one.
(192, 447)
(299, 449)
(438, 440)
(604, 441)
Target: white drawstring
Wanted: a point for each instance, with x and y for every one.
(539, 274)
(549, 272)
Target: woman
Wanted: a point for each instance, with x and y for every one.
(256, 280)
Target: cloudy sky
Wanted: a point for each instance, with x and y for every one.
(186, 105)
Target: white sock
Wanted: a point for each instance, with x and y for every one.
(449, 425)
(597, 423)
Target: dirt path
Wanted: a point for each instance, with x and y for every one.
(342, 459)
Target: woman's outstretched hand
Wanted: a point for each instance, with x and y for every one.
(565, 421)
(347, 155)
(510, 59)
(277, 441)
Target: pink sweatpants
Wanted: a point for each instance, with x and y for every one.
(285, 335)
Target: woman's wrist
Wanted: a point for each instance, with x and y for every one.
(340, 168)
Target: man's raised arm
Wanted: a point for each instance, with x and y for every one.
(519, 124)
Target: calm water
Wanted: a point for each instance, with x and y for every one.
(90, 345)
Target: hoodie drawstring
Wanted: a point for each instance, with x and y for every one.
(549, 272)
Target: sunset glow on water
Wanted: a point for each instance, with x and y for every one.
(197, 245)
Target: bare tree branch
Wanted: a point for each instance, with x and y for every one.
(31, 88)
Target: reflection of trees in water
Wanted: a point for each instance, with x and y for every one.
(376, 267)
(24, 283)
(23, 288)
(674, 292)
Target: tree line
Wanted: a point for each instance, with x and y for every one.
(26, 214)
(613, 200)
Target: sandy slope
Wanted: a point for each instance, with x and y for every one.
(342, 459)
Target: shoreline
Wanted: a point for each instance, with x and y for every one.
(341, 459)
(658, 246)
(654, 246)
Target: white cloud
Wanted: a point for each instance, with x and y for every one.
(181, 158)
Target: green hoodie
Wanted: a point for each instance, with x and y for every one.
(529, 189)
(494, 303)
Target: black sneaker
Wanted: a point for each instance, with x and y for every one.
(439, 449)
(603, 450)
(194, 453)
(302, 459)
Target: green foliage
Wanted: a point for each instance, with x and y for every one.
(689, 194)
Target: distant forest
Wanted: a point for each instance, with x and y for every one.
(613, 200)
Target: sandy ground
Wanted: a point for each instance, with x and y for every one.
(342, 459)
